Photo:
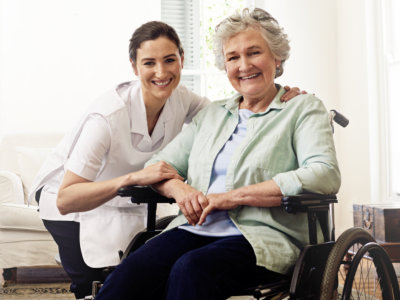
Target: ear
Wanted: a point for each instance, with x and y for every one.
(278, 62)
(182, 59)
(135, 70)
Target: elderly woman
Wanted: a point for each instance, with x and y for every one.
(238, 156)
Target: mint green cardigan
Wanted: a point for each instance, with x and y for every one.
(290, 142)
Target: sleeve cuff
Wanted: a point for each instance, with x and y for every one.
(85, 172)
(289, 183)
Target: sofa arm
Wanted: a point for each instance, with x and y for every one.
(11, 188)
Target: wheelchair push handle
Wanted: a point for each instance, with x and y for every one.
(338, 118)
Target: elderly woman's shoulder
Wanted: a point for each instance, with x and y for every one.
(305, 100)
(213, 109)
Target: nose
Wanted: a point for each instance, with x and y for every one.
(245, 64)
(160, 71)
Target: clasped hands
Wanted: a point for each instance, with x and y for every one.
(196, 206)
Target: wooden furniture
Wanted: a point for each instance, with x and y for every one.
(382, 221)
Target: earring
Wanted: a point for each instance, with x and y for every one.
(278, 70)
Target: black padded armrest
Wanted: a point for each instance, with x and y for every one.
(317, 208)
(143, 194)
(302, 202)
(313, 204)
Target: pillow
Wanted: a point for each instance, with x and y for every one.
(29, 160)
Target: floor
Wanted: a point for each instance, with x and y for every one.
(32, 280)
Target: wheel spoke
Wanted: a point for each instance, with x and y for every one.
(371, 275)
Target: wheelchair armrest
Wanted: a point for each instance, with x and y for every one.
(317, 208)
(305, 202)
(143, 194)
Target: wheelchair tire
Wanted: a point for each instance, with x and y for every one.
(163, 222)
(340, 259)
(371, 275)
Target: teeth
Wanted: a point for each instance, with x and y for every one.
(161, 83)
(250, 76)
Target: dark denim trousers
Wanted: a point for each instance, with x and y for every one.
(181, 265)
(66, 235)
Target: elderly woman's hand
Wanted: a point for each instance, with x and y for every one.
(190, 201)
(222, 201)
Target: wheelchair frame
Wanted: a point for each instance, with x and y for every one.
(311, 278)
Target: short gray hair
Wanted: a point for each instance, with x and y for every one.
(274, 35)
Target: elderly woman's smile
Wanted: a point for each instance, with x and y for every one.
(247, 77)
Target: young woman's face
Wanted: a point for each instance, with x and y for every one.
(250, 64)
(158, 65)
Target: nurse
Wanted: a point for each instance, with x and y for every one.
(77, 186)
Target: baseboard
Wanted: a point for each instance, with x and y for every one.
(41, 274)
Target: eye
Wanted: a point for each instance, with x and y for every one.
(232, 58)
(170, 60)
(254, 53)
(148, 63)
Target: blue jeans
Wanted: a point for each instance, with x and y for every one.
(181, 265)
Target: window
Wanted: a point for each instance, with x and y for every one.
(194, 21)
(387, 43)
(391, 49)
(184, 16)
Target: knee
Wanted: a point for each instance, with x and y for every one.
(188, 278)
(189, 267)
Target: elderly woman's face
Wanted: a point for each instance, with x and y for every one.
(250, 64)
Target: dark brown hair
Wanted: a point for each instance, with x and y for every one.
(151, 31)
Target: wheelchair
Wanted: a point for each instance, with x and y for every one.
(354, 266)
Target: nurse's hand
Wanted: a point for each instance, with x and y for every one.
(290, 93)
(152, 174)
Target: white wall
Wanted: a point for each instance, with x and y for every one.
(79, 44)
(312, 31)
(57, 55)
(354, 100)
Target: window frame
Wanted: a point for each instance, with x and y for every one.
(378, 44)
(197, 75)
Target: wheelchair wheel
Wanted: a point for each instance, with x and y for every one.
(339, 261)
(371, 275)
(163, 222)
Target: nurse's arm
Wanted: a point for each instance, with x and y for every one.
(77, 194)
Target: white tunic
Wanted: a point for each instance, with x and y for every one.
(121, 112)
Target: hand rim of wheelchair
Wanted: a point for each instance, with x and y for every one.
(342, 258)
(373, 253)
